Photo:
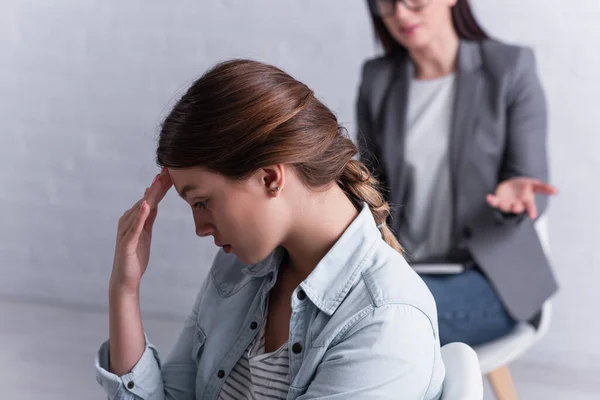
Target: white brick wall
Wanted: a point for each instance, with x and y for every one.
(84, 89)
(84, 85)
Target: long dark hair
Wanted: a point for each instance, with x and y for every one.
(464, 22)
(243, 115)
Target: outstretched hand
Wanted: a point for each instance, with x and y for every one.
(517, 195)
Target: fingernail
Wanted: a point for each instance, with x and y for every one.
(157, 177)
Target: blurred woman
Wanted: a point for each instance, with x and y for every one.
(454, 125)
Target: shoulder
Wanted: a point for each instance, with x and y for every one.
(376, 77)
(495, 49)
(379, 69)
(374, 64)
(388, 320)
(514, 67)
(504, 58)
(389, 280)
(385, 288)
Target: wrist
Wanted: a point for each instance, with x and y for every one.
(118, 289)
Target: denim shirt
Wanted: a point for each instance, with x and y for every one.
(363, 325)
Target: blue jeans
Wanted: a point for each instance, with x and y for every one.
(469, 310)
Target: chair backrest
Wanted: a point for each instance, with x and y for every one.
(463, 379)
(543, 324)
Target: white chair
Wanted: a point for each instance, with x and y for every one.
(495, 356)
(463, 376)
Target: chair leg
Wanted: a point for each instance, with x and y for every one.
(502, 384)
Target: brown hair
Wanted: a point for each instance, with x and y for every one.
(463, 20)
(243, 115)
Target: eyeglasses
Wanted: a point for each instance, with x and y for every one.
(387, 8)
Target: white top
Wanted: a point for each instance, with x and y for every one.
(259, 375)
(429, 208)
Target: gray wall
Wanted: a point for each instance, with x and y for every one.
(84, 85)
(84, 90)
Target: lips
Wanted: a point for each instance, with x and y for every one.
(409, 30)
(226, 247)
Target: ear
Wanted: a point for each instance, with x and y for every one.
(273, 179)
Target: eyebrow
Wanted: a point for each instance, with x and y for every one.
(186, 189)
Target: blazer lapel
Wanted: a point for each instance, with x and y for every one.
(468, 92)
(394, 108)
(393, 119)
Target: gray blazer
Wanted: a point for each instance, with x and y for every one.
(498, 132)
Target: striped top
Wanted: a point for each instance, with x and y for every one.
(259, 375)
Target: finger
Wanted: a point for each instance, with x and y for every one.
(531, 207)
(125, 220)
(518, 207)
(136, 228)
(497, 202)
(129, 216)
(530, 181)
(133, 208)
(539, 186)
(159, 188)
(150, 220)
(136, 205)
(505, 206)
(492, 200)
(544, 188)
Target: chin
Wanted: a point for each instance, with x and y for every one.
(415, 44)
(248, 259)
(254, 258)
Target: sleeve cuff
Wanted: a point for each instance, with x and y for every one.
(509, 218)
(143, 379)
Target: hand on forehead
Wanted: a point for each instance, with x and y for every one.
(159, 188)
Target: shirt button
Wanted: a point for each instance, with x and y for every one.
(301, 295)
(253, 325)
(221, 374)
(130, 385)
(297, 348)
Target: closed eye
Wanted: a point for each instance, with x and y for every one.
(200, 204)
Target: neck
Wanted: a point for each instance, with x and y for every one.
(321, 220)
(438, 58)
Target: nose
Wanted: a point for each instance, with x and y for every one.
(203, 228)
(400, 10)
(202, 233)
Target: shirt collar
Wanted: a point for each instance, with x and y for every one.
(333, 277)
(266, 266)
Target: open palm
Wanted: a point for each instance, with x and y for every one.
(517, 195)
